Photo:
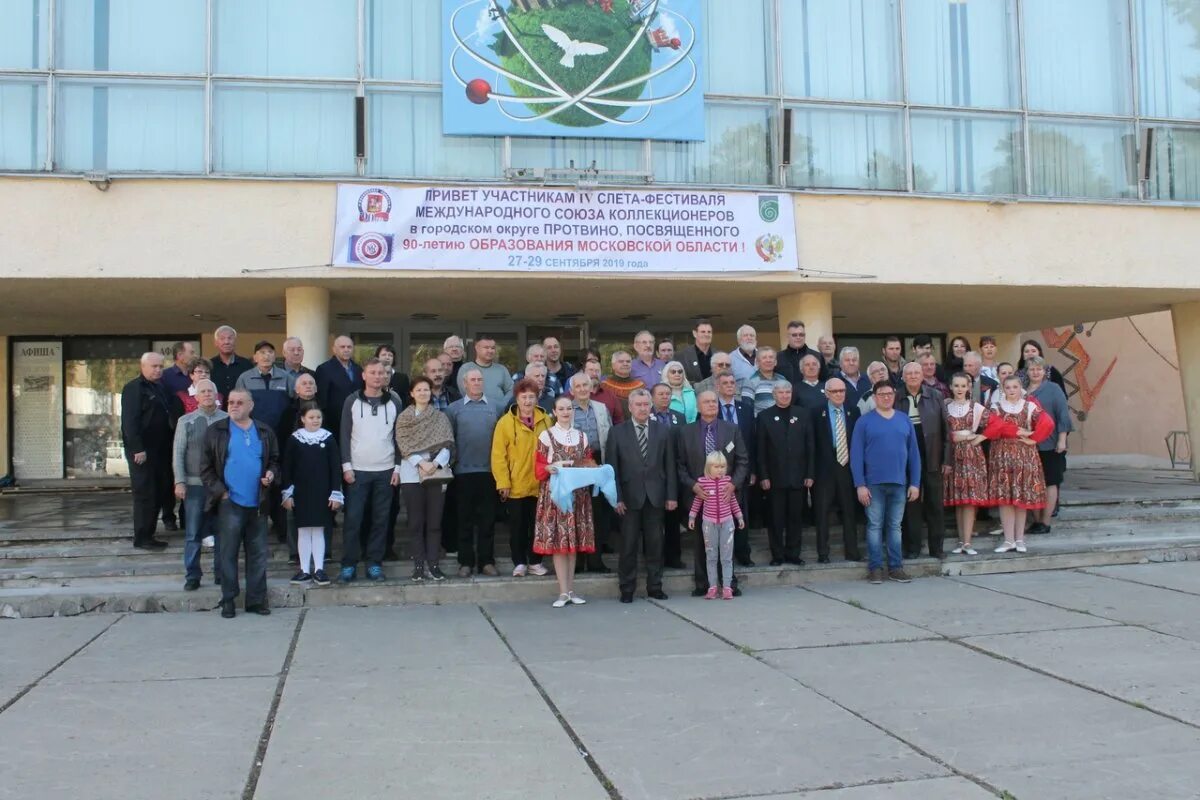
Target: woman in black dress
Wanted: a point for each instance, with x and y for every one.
(312, 477)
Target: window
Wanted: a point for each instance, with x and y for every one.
(267, 129)
(406, 141)
(962, 54)
(842, 148)
(841, 49)
(1077, 56)
(735, 55)
(1082, 159)
(22, 125)
(23, 33)
(404, 40)
(736, 150)
(132, 36)
(1169, 58)
(286, 38)
(1175, 164)
(966, 153)
(121, 126)
(607, 154)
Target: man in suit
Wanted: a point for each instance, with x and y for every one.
(927, 411)
(697, 358)
(643, 456)
(785, 471)
(982, 387)
(693, 444)
(739, 411)
(797, 348)
(670, 420)
(809, 392)
(337, 379)
(833, 429)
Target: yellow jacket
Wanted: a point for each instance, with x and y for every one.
(513, 450)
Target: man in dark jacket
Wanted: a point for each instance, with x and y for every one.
(146, 434)
(228, 366)
(927, 411)
(785, 471)
(643, 456)
(797, 348)
(833, 430)
(337, 379)
(239, 465)
(736, 409)
(662, 413)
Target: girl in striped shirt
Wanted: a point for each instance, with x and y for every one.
(717, 524)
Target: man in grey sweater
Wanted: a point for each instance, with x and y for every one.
(497, 382)
(199, 525)
(473, 419)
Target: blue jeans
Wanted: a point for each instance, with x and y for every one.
(243, 526)
(375, 489)
(197, 523)
(884, 514)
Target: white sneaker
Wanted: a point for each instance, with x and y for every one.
(1005, 547)
(958, 551)
(1020, 546)
(971, 551)
(519, 571)
(575, 599)
(208, 542)
(562, 600)
(537, 569)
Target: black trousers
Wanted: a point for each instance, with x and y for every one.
(741, 536)
(836, 489)
(393, 515)
(153, 490)
(602, 514)
(787, 520)
(424, 502)
(450, 518)
(927, 509)
(522, 513)
(641, 527)
(475, 494)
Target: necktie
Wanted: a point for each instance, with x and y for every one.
(729, 412)
(350, 373)
(710, 438)
(843, 452)
(643, 443)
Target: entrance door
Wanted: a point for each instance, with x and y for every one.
(424, 341)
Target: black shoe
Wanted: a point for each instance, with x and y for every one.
(418, 573)
(776, 562)
(150, 544)
(227, 609)
(170, 525)
(626, 597)
(216, 580)
(822, 559)
(263, 610)
(745, 563)
(737, 592)
(797, 562)
(320, 578)
(698, 592)
(657, 594)
(191, 584)
(301, 578)
(675, 565)
(390, 555)
(436, 573)
(602, 568)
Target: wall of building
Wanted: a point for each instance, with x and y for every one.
(5, 463)
(1126, 383)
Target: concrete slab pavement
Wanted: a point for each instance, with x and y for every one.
(1182, 576)
(30, 648)
(925, 789)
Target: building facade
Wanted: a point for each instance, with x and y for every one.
(992, 166)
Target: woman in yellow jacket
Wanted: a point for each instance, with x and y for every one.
(513, 446)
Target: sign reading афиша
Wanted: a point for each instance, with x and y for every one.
(626, 69)
(551, 229)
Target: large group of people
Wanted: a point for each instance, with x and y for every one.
(701, 440)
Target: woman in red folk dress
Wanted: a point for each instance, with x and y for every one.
(1015, 480)
(965, 466)
(557, 533)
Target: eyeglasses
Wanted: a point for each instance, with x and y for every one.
(835, 391)
(885, 394)
(675, 371)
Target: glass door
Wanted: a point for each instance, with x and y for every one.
(96, 370)
(423, 341)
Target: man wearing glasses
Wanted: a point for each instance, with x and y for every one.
(884, 460)
(833, 432)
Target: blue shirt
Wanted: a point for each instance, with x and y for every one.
(243, 466)
(648, 375)
(885, 451)
(586, 423)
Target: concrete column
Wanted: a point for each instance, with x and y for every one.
(307, 310)
(5, 382)
(814, 309)
(1186, 319)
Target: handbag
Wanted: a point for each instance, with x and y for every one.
(439, 475)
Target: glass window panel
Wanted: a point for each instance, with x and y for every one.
(93, 418)
(283, 130)
(966, 154)
(405, 140)
(122, 126)
(1082, 159)
(404, 40)
(1077, 56)
(132, 35)
(735, 55)
(1169, 57)
(22, 125)
(23, 33)
(286, 38)
(736, 150)
(840, 148)
(962, 54)
(1175, 164)
(559, 153)
(841, 49)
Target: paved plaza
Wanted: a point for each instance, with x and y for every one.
(1068, 684)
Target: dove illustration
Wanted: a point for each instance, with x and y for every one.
(572, 47)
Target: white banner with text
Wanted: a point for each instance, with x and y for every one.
(569, 230)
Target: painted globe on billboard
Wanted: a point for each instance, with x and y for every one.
(572, 63)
